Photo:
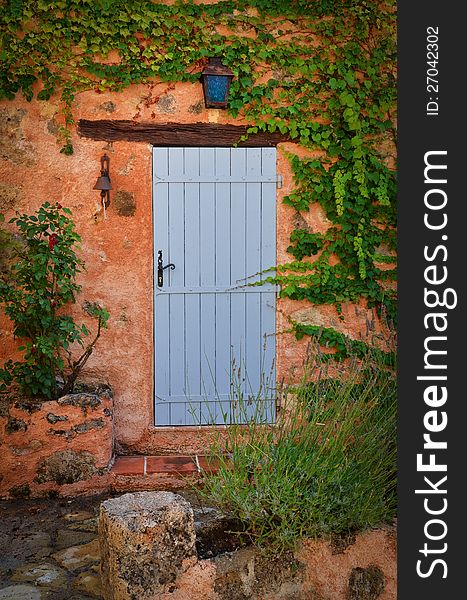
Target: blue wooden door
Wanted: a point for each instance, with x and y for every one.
(215, 221)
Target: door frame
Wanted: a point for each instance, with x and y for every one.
(271, 143)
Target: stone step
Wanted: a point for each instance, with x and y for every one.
(142, 465)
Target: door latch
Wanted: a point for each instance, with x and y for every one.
(160, 269)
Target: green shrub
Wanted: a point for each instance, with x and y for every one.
(39, 282)
(326, 467)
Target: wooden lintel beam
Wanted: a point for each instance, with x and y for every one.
(176, 134)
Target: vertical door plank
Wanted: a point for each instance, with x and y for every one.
(162, 357)
(208, 350)
(237, 274)
(192, 281)
(192, 220)
(178, 412)
(223, 260)
(162, 413)
(177, 352)
(161, 304)
(161, 204)
(160, 164)
(208, 259)
(176, 278)
(207, 278)
(253, 266)
(176, 253)
(222, 199)
(192, 352)
(207, 219)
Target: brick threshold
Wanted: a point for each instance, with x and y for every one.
(152, 465)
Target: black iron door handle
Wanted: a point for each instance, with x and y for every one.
(160, 269)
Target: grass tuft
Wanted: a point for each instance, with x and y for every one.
(328, 465)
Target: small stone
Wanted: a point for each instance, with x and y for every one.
(108, 107)
(88, 425)
(128, 167)
(29, 405)
(4, 402)
(32, 446)
(66, 466)
(77, 557)
(13, 425)
(80, 515)
(167, 104)
(25, 546)
(43, 553)
(51, 418)
(365, 584)
(20, 491)
(52, 126)
(10, 196)
(82, 521)
(125, 203)
(89, 583)
(313, 316)
(84, 401)
(87, 525)
(20, 592)
(67, 538)
(42, 574)
(14, 145)
(341, 541)
(196, 109)
(66, 433)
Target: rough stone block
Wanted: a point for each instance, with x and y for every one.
(67, 466)
(147, 539)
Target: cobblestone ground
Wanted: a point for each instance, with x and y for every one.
(49, 549)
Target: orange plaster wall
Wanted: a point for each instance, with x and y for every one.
(118, 252)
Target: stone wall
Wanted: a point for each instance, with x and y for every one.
(150, 550)
(366, 570)
(63, 445)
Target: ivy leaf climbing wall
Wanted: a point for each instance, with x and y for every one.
(322, 72)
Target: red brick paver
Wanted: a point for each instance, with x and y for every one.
(128, 465)
(169, 464)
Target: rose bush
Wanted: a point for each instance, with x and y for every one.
(39, 283)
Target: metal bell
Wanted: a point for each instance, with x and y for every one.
(103, 183)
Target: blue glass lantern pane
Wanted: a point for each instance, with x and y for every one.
(217, 88)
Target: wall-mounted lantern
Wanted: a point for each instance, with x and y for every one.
(216, 79)
(103, 182)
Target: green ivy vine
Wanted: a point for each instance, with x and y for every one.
(321, 71)
(343, 346)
